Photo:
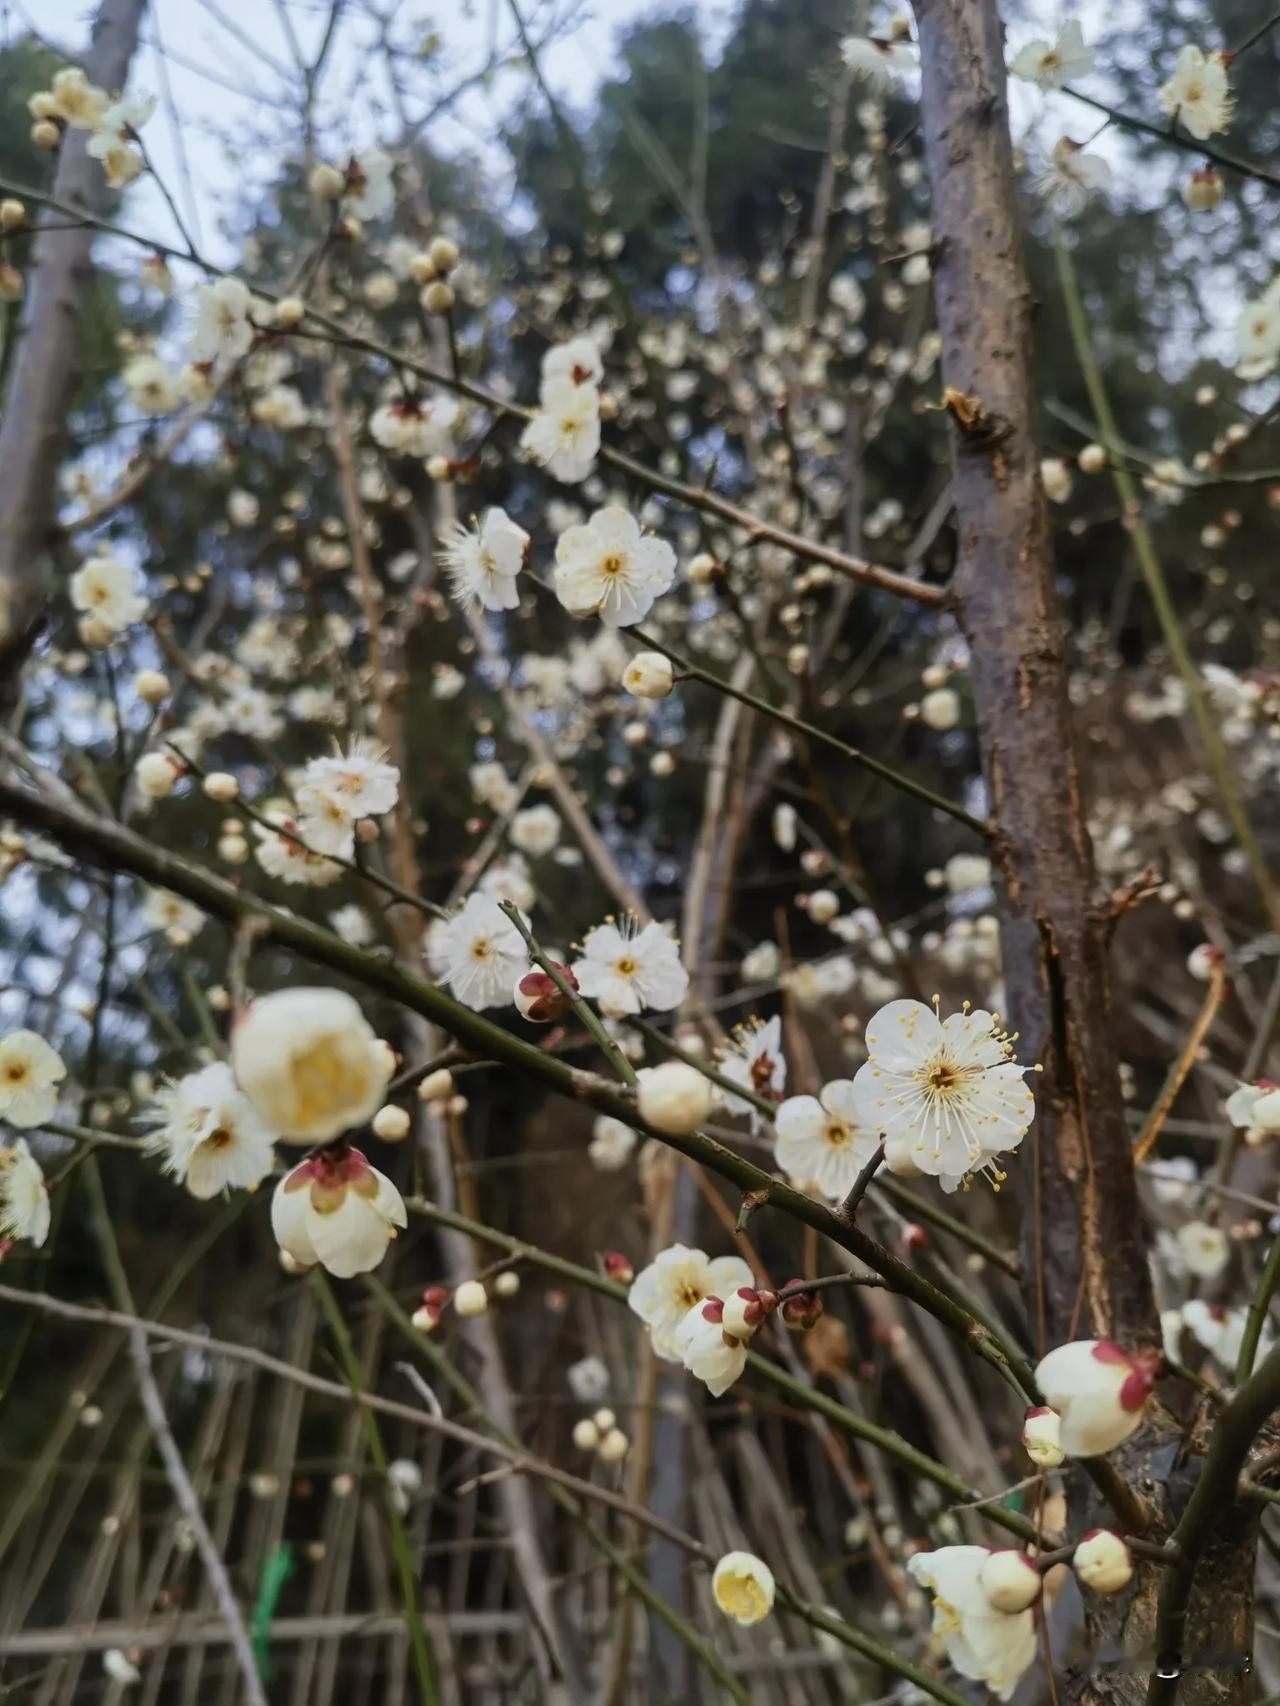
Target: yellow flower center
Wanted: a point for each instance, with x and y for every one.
(613, 564)
(321, 1079)
(837, 1135)
(741, 1597)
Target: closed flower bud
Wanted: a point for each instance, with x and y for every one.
(391, 1123)
(674, 1097)
(233, 849)
(1202, 191)
(802, 1310)
(436, 1086)
(824, 904)
(443, 254)
(1042, 1436)
(221, 785)
(1010, 1580)
(12, 214)
(649, 675)
(437, 297)
(744, 1310)
(291, 311)
(507, 1283)
(614, 1446)
(156, 774)
(1099, 1390)
(1055, 476)
(1092, 459)
(940, 709)
(586, 1435)
(151, 686)
(326, 183)
(439, 467)
(703, 569)
(45, 134)
(617, 1267)
(471, 1298)
(538, 997)
(1102, 1561)
(422, 269)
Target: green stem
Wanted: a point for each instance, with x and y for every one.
(1153, 574)
(1259, 1304)
(350, 1363)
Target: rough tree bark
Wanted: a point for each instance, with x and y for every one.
(33, 428)
(1084, 1247)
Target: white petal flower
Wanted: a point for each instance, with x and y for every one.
(360, 781)
(310, 1064)
(1199, 95)
(79, 102)
(611, 1144)
(223, 330)
(421, 425)
(743, 1587)
(711, 1354)
(337, 1210)
(164, 910)
(951, 1086)
(370, 191)
(30, 1073)
(611, 569)
(1258, 330)
(678, 1278)
(984, 1644)
(536, 830)
(210, 1134)
(628, 970)
(755, 1060)
(1099, 1390)
(1205, 1249)
(578, 361)
(564, 434)
(821, 1141)
(109, 590)
(880, 62)
(1220, 1331)
(483, 563)
(479, 953)
(24, 1199)
(1051, 64)
(1070, 177)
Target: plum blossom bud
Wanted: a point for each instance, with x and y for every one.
(443, 254)
(156, 773)
(1203, 960)
(1042, 1436)
(12, 214)
(507, 1283)
(1102, 1561)
(1055, 476)
(803, 1309)
(426, 1320)
(1099, 1390)
(614, 1446)
(221, 785)
(11, 286)
(824, 904)
(1092, 459)
(439, 467)
(538, 997)
(743, 1587)
(703, 569)
(45, 134)
(940, 709)
(604, 1420)
(586, 1435)
(437, 297)
(662, 764)
(471, 1298)
(617, 1267)
(674, 1097)
(1202, 191)
(151, 686)
(745, 1309)
(326, 183)
(391, 1123)
(291, 311)
(119, 1667)
(309, 1062)
(436, 1086)
(649, 675)
(1010, 1580)
(337, 1210)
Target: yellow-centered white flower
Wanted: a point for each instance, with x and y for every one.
(743, 1587)
(675, 1281)
(30, 1073)
(337, 1210)
(310, 1064)
(982, 1643)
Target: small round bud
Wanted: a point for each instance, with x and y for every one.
(538, 997)
(649, 675)
(1102, 1561)
(438, 467)
(617, 1267)
(1092, 459)
(662, 764)
(233, 849)
(744, 1310)
(674, 1097)
(1042, 1436)
(12, 214)
(940, 710)
(934, 676)
(586, 1435)
(437, 297)
(824, 904)
(1010, 1580)
(703, 569)
(604, 1420)
(436, 1086)
(151, 686)
(803, 1309)
(221, 785)
(471, 1298)
(422, 269)
(11, 285)
(43, 104)
(1055, 476)
(45, 134)
(90, 1416)
(425, 1319)
(1203, 960)
(94, 632)
(291, 311)
(443, 254)
(1202, 191)
(156, 774)
(391, 1123)
(507, 1283)
(326, 183)
(614, 1446)
(219, 998)
(367, 831)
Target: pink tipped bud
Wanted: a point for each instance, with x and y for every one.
(1042, 1436)
(539, 998)
(914, 1237)
(713, 1310)
(743, 1312)
(617, 1267)
(802, 1310)
(1010, 1581)
(435, 1296)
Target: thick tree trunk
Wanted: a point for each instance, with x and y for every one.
(1085, 1254)
(33, 429)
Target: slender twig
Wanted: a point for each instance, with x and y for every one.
(1182, 1066)
(1176, 139)
(849, 1207)
(1259, 1305)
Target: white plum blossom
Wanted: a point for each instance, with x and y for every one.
(707, 1350)
(108, 590)
(324, 823)
(1199, 95)
(1050, 64)
(309, 1063)
(1256, 1109)
(743, 1587)
(1205, 1250)
(1099, 1390)
(756, 1062)
(223, 330)
(1220, 1330)
(821, 1141)
(949, 1089)
(483, 562)
(116, 129)
(282, 851)
(24, 1197)
(420, 425)
(370, 191)
(152, 385)
(359, 781)
(164, 910)
(609, 568)
(493, 787)
(563, 435)
(879, 61)
(677, 1279)
(982, 1643)
(209, 1133)
(1070, 176)
(337, 1210)
(578, 361)
(479, 953)
(536, 830)
(1258, 331)
(629, 970)
(30, 1073)
(80, 103)
(611, 1144)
